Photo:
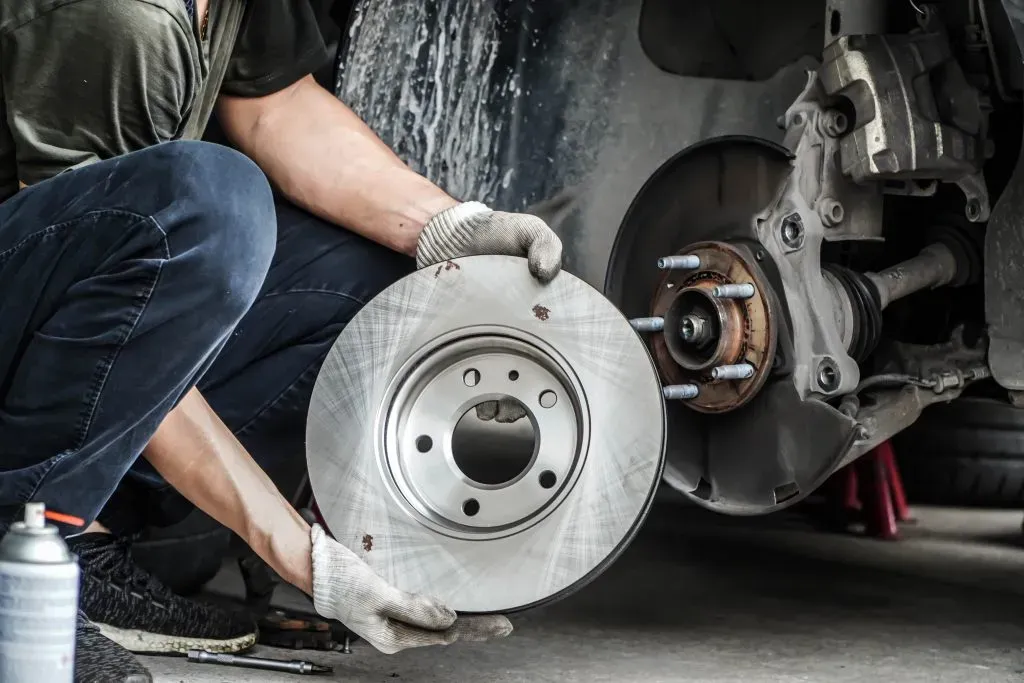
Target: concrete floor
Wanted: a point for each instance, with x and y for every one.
(703, 598)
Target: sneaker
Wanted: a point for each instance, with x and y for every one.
(100, 660)
(136, 611)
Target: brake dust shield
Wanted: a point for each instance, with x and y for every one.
(407, 475)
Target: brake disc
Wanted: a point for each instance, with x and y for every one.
(432, 510)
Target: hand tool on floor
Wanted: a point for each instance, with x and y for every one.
(299, 631)
(292, 667)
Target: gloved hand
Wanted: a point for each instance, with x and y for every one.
(472, 229)
(346, 589)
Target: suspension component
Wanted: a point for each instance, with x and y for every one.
(861, 297)
(861, 309)
(935, 266)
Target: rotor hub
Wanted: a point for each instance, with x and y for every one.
(434, 452)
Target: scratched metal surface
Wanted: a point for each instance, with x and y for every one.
(602, 509)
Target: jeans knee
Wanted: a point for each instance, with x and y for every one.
(224, 212)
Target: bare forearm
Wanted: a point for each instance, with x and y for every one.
(329, 162)
(200, 457)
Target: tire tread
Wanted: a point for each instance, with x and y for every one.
(968, 453)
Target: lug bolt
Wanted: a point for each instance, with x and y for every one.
(834, 123)
(793, 231)
(688, 262)
(828, 375)
(831, 212)
(726, 372)
(647, 324)
(675, 392)
(743, 290)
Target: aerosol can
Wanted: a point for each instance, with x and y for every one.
(38, 602)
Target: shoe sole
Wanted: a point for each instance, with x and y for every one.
(144, 642)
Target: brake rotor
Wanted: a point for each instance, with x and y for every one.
(437, 512)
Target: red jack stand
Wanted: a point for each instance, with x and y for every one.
(871, 489)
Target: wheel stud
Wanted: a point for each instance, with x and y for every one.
(733, 291)
(648, 324)
(680, 392)
(688, 262)
(727, 372)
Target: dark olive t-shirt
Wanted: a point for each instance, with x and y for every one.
(85, 80)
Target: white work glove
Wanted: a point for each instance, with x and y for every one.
(472, 229)
(346, 589)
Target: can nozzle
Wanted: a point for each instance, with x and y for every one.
(35, 515)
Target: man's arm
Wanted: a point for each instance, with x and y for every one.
(200, 457)
(324, 158)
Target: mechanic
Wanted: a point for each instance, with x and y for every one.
(151, 307)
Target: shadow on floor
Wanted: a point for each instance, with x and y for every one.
(699, 597)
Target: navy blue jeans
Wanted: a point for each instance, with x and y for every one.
(126, 283)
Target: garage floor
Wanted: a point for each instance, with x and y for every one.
(705, 598)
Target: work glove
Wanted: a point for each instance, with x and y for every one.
(346, 589)
(472, 229)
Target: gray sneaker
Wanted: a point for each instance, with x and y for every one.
(100, 660)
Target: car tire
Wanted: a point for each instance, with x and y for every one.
(966, 453)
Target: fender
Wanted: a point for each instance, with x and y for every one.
(1004, 261)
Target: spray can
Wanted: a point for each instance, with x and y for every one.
(38, 602)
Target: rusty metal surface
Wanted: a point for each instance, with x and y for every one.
(779, 447)
(746, 333)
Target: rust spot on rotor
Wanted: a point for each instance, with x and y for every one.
(541, 313)
(447, 265)
(367, 542)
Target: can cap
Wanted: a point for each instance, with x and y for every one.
(34, 541)
(35, 515)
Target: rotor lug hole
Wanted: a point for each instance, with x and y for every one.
(471, 507)
(547, 479)
(424, 444)
(513, 375)
(548, 399)
(471, 377)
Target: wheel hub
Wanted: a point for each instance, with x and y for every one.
(718, 326)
